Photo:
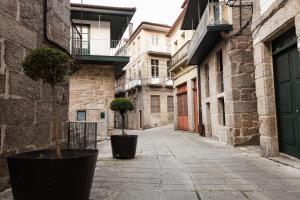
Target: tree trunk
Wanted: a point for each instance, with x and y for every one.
(54, 129)
(123, 122)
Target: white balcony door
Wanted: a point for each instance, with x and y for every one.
(100, 38)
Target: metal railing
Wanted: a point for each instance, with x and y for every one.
(85, 135)
(166, 81)
(82, 135)
(160, 48)
(215, 14)
(159, 81)
(99, 47)
(133, 83)
(179, 55)
(218, 13)
(75, 31)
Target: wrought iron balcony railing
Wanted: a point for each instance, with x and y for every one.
(165, 81)
(154, 81)
(216, 18)
(100, 47)
(133, 83)
(180, 55)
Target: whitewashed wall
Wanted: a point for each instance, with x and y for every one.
(99, 36)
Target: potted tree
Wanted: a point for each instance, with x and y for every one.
(123, 146)
(51, 174)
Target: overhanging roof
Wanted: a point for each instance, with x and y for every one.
(206, 41)
(119, 62)
(194, 12)
(119, 17)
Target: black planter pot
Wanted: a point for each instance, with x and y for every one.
(39, 175)
(123, 146)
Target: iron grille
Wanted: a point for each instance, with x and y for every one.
(82, 135)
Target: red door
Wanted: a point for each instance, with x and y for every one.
(195, 106)
(182, 107)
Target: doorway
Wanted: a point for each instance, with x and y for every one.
(208, 125)
(182, 107)
(195, 105)
(287, 86)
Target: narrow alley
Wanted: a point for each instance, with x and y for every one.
(174, 165)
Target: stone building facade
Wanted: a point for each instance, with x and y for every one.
(276, 38)
(147, 81)
(222, 49)
(92, 90)
(103, 55)
(184, 76)
(25, 120)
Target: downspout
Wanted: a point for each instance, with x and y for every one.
(200, 124)
(45, 30)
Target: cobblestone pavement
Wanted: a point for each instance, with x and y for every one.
(183, 166)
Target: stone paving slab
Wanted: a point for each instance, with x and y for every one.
(174, 165)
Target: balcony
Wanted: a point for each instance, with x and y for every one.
(100, 51)
(180, 56)
(120, 89)
(215, 19)
(160, 81)
(98, 47)
(159, 50)
(133, 84)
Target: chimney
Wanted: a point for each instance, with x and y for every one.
(130, 29)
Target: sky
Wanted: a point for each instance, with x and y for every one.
(158, 11)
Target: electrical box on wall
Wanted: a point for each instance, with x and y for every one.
(102, 115)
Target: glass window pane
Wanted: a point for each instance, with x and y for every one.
(81, 115)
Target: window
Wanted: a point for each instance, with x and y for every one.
(133, 49)
(220, 70)
(207, 80)
(221, 109)
(154, 68)
(155, 104)
(138, 45)
(170, 103)
(154, 40)
(85, 44)
(81, 115)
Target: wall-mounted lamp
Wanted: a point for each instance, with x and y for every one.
(230, 3)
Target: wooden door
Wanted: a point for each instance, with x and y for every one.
(182, 107)
(195, 104)
(287, 83)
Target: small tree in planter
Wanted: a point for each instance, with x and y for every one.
(51, 66)
(123, 146)
(122, 105)
(52, 174)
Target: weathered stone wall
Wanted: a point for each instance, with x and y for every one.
(241, 123)
(25, 120)
(279, 17)
(92, 88)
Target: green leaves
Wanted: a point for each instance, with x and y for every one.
(50, 65)
(122, 105)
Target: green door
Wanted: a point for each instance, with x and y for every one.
(287, 82)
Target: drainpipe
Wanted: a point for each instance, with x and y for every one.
(200, 125)
(45, 30)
